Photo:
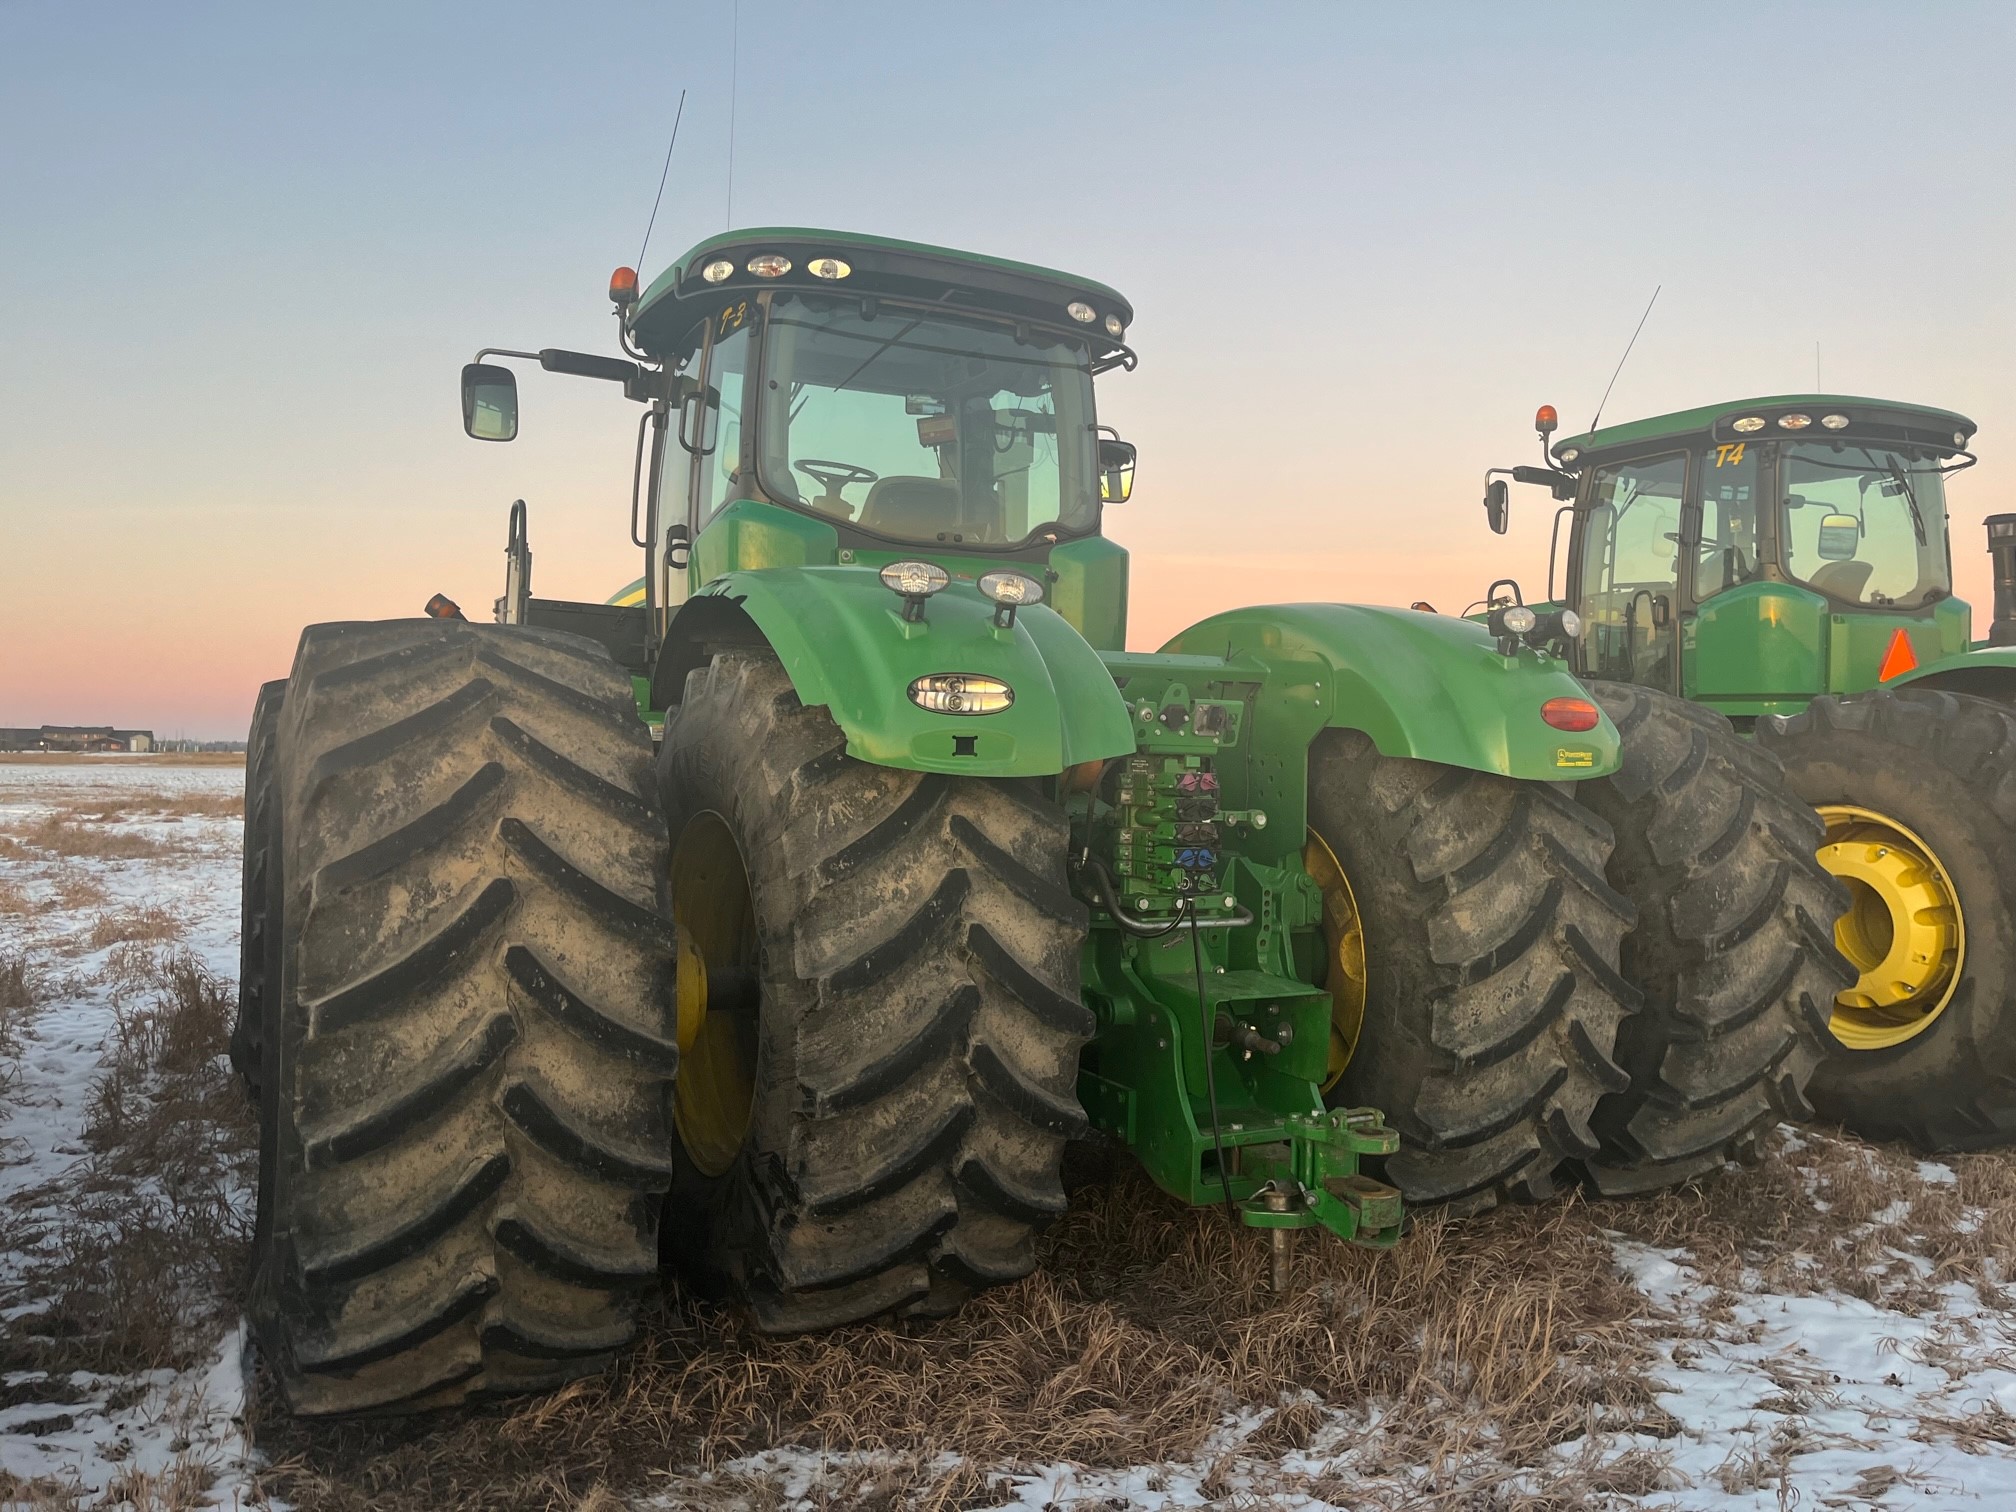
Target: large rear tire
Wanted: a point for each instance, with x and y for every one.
(248, 1032)
(1492, 997)
(1733, 949)
(467, 1068)
(882, 1074)
(1918, 789)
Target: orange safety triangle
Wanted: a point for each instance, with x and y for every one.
(1899, 659)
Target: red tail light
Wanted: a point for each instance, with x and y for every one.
(1572, 714)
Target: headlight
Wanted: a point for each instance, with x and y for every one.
(1114, 328)
(1081, 312)
(1519, 620)
(828, 267)
(770, 265)
(961, 693)
(915, 579)
(1748, 425)
(1011, 588)
(1794, 422)
(718, 270)
(1834, 422)
(1571, 624)
(1009, 591)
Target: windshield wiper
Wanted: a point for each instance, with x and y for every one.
(1910, 498)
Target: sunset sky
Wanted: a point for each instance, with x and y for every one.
(245, 249)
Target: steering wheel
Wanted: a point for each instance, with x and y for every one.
(834, 476)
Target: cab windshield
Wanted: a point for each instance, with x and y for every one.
(1865, 525)
(926, 427)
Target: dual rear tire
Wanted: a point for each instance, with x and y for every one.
(1623, 987)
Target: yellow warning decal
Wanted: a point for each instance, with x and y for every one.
(1567, 756)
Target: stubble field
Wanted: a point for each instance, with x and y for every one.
(1831, 1328)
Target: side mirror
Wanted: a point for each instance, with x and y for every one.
(699, 419)
(1840, 537)
(489, 402)
(1116, 471)
(1495, 504)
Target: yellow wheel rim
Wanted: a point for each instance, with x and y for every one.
(1343, 955)
(716, 922)
(1904, 931)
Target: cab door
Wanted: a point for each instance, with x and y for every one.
(1628, 570)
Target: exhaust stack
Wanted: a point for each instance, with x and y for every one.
(2002, 547)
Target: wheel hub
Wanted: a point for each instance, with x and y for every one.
(1903, 932)
(717, 997)
(1343, 955)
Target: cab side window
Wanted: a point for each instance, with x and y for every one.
(718, 477)
(675, 467)
(1729, 500)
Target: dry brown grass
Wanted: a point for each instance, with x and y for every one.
(22, 988)
(137, 924)
(1823, 1212)
(133, 1259)
(1489, 1341)
(76, 833)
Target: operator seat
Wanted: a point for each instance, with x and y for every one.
(913, 507)
(1843, 580)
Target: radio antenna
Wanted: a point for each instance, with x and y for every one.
(677, 115)
(734, 83)
(1627, 354)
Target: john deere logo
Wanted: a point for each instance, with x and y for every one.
(1566, 756)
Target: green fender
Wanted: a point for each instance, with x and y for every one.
(843, 640)
(1427, 686)
(1985, 671)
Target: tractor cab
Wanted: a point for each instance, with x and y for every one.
(820, 398)
(1756, 554)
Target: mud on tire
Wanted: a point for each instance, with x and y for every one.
(1733, 950)
(1493, 998)
(467, 1072)
(1943, 764)
(916, 1050)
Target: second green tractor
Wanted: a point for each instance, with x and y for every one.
(1784, 566)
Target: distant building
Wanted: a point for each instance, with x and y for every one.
(97, 738)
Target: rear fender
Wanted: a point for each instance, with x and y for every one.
(1985, 672)
(846, 647)
(1426, 686)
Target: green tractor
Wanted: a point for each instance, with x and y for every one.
(778, 922)
(1785, 563)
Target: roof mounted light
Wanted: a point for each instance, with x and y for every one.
(1569, 453)
(916, 581)
(1115, 327)
(1834, 422)
(828, 267)
(623, 286)
(1794, 422)
(1546, 419)
(1959, 438)
(1081, 312)
(1749, 425)
(769, 265)
(718, 270)
(1009, 591)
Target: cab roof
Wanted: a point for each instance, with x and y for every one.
(1885, 420)
(879, 265)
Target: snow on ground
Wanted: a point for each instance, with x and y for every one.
(85, 1434)
(1781, 1398)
